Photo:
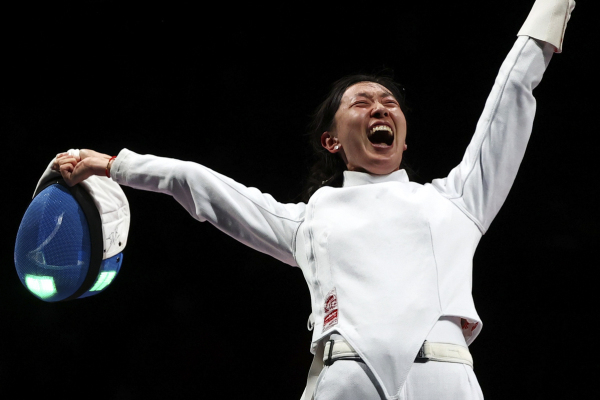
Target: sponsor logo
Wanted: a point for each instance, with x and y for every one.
(330, 308)
(468, 327)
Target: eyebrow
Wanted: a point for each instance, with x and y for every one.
(370, 96)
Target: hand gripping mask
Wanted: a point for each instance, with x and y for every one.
(71, 239)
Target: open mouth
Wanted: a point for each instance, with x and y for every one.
(381, 135)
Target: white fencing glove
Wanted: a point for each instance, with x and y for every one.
(547, 21)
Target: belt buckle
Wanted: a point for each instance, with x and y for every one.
(421, 357)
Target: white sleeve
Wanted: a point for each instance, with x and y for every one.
(253, 218)
(480, 183)
(547, 21)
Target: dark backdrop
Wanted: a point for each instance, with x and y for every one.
(193, 312)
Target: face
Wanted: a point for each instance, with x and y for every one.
(369, 130)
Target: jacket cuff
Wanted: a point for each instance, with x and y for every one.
(547, 21)
(118, 169)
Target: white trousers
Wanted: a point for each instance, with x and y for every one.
(352, 380)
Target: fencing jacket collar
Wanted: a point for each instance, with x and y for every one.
(354, 178)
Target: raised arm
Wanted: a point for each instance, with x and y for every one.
(253, 218)
(480, 183)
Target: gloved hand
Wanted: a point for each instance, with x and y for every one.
(547, 21)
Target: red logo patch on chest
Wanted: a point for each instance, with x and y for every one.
(330, 310)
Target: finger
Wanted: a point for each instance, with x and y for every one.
(64, 155)
(55, 164)
(67, 168)
(58, 162)
(66, 173)
(79, 172)
(69, 159)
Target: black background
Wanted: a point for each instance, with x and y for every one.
(194, 313)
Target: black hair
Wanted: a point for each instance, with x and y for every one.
(328, 168)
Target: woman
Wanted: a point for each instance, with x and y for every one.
(387, 261)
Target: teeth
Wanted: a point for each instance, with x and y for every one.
(381, 128)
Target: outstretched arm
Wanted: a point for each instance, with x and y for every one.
(246, 214)
(480, 183)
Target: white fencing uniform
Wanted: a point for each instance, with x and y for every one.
(384, 258)
(351, 380)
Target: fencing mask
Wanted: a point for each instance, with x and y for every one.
(70, 241)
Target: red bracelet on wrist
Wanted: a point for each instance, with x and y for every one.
(108, 165)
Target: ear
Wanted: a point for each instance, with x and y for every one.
(329, 142)
(405, 146)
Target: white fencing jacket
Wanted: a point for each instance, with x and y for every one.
(384, 258)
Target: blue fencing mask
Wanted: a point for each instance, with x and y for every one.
(71, 239)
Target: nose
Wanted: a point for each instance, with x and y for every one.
(379, 111)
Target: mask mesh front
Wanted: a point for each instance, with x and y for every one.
(52, 251)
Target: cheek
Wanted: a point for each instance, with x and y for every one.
(352, 144)
(400, 119)
(347, 136)
(353, 130)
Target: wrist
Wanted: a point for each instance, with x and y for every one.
(109, 165)
(94, 166)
